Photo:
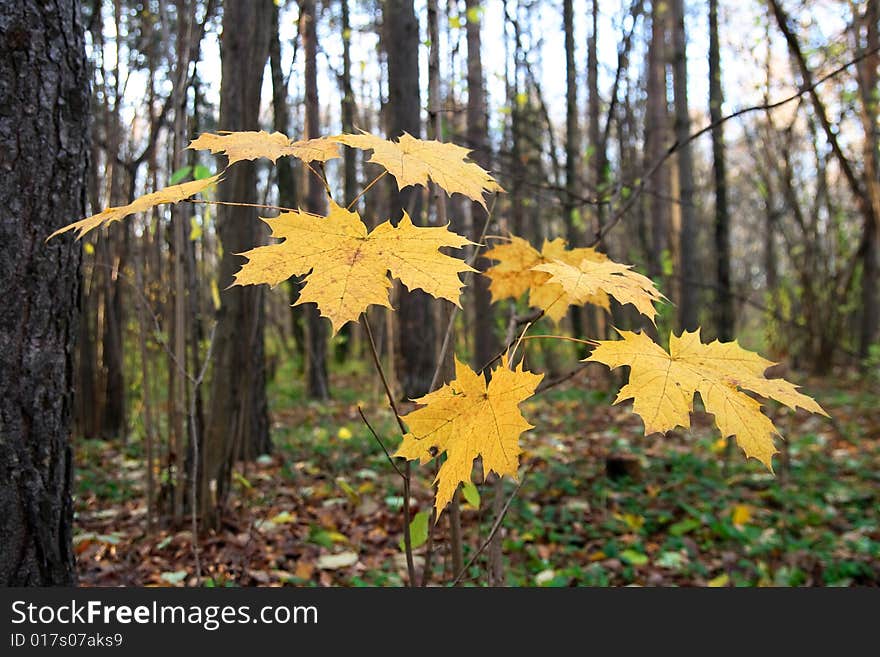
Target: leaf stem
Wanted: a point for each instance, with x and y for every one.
(241, 205)
(590, 343)
(366, 189)
(321, 177)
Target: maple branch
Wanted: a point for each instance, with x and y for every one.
(242, 205)
(381, 444)
(546, 385)
(366, 189)
(515, 320)
(407, 539)
(375, 354)
(640, 188)
(495, 527)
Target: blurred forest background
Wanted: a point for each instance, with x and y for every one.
(650, 129)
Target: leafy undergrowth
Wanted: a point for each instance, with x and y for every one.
(324, 509)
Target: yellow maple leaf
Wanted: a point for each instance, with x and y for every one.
(349, 266)
(585, 280)
(662, 386)
(251, 145)
(413, 161)
(522, 268)
(465, 419)
(172, 194)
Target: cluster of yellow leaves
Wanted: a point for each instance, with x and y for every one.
(172, 194)
(349, 266)
(468, 418)
(557, 277)
(253, 145)
(662, 386)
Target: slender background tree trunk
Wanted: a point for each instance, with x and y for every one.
(687, 305)
(316, 326)
(724, 321)
(416, 327)
(656, 140)
(238, 423)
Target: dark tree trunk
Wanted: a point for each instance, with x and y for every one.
(238, 425)
(113, 417)
(724, 321)
(485, 340)
(85, 401)
(417, 331)
(316, 326)
(43, 158)
(656, 139)
(349, 186)
(687, 307)
(288, 192)
(348, 108)
(868, 79)
(572, 132)
(598, 158)
(573, 222)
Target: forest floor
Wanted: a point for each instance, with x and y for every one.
(324, 509)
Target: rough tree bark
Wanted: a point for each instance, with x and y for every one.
(415, 363)
(238, 424)
(44, 103)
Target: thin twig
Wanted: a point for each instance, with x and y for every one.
(495, 527)
(552, 383)
(637, 192)
(379, 440)
(407, 539)
(516, 320)
(589, 343)
(375, 354)
(366, 189)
